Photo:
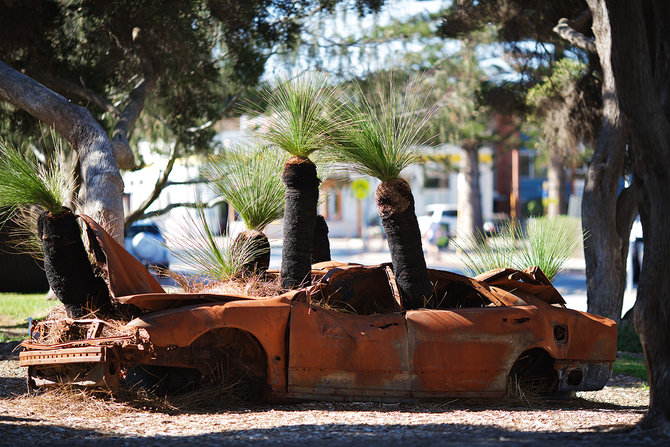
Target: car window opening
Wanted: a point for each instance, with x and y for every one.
(370, 290)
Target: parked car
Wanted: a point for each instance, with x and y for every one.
(144, 240)
(346, 336)
(439, 213)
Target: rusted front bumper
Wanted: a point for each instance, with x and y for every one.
(582, 376)
(90, 366)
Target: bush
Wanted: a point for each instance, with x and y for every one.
(627, 339)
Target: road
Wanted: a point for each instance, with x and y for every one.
(571, 283)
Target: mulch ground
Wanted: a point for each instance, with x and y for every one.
(76, 418)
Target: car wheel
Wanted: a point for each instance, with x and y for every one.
(533, 374)
(234, 359)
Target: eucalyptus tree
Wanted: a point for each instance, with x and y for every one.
(93, 68)
(554, 123)
(380, 140)
(560, 29)
(300, 120)
(247, 177)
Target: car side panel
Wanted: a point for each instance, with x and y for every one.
(265, 319)
(468, 351)
(340, 354)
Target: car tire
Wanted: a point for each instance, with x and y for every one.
(233, 358)
(533, 374)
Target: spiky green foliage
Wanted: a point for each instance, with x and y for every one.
(208, 255)
(249, 178)
(382, 138)
(551, 241)
(547, 243)
(24, 183)
(300, 114)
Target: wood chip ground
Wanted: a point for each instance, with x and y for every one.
(76, 419)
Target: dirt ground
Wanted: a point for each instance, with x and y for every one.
(73, 418)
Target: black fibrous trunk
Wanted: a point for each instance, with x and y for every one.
(257, 243)
(302, 193)
(320, 244)
(67, 265)
(395, 203)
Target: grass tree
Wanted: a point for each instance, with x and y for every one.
(300, 122)
(24, 185)
(381, 141)
(209, 256)
(548, 243)
(248, 179)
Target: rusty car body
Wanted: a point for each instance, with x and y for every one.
(344, 337)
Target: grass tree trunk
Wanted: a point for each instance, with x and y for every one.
(320, 244)
(260, 245)
(67, 266)
(302, 193)
(395, 203)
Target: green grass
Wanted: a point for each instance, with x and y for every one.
(631, 365)
(15, 308)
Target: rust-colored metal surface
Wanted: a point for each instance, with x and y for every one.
(125, 274)
(336, 354)
(345, 337)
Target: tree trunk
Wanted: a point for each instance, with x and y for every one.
(321, 244)
(102, 185)
(556, 185)
(67, 266)
(260, 262)
(302, 194)
(607, 220)
(395, 203)
(469, 220)
(640, 45)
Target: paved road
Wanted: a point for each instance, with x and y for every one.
(571, 283)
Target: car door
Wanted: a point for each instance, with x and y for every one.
(466, 351)
(334, 353)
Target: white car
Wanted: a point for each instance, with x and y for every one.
(441, 213)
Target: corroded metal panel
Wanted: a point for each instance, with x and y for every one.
(125, 274)
(467, 350)
(344, 354)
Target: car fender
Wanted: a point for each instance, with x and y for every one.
(265, 319)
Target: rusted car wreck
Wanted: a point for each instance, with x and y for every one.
(344, 337)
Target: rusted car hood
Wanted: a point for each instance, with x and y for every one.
(532, 281)
(125, 275)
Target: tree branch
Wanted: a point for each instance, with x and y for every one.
(626, 210)
(212, 203)
(158, 187)
(103, 187)
(567, 29)
(74, 89)
(124, 156)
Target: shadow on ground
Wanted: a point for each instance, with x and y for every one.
(25, 431)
